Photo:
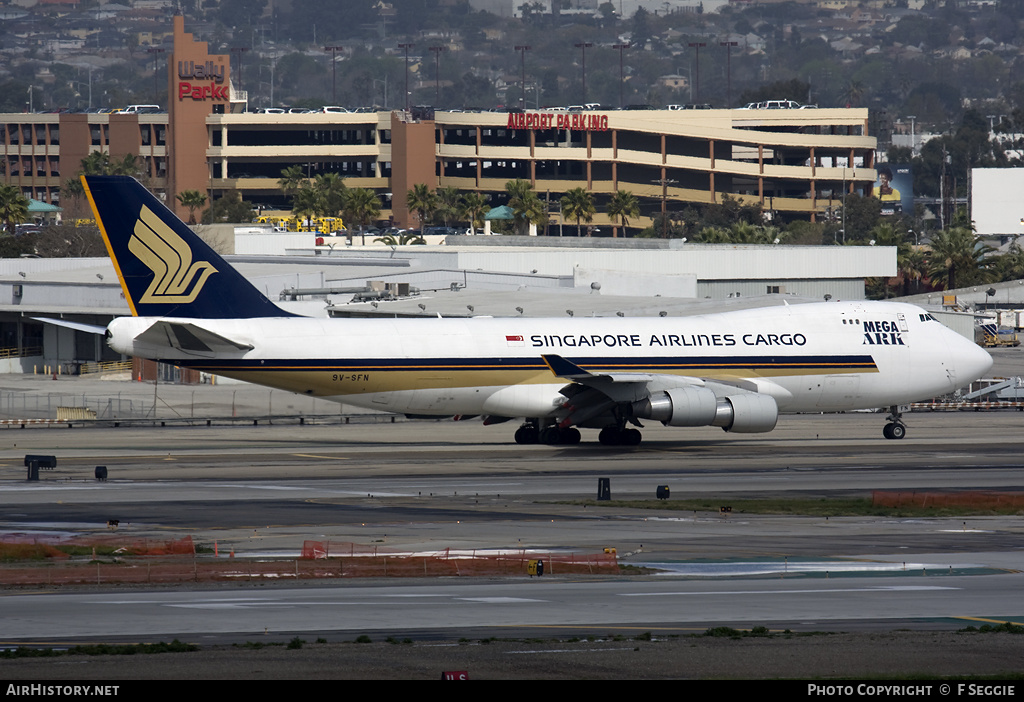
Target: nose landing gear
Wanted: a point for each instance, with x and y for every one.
(895, 429)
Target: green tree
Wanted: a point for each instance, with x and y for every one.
(423, 201)
(957, 259)
(228, 208)
(406, 238)
(13, 207)
(527, 208)
(330, 193)
(473, 208)
(193, 200)
(623, 205)
(72, 191)
(96, 163)
(306, 202)
(291, 179)
(361, 206)
(447, 204)
(578, 204)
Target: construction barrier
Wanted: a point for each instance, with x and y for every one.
(940, 406)
(346, 560)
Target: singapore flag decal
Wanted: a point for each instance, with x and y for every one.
(514, 340)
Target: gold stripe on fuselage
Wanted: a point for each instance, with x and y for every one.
(360, 381)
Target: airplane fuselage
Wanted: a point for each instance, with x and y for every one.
(808, 357)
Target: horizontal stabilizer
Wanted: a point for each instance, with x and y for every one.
(77, 326)
(190, 338)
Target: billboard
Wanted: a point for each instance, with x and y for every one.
(996, 202)
(895, 188)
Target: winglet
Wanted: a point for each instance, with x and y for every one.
(165, 269)
(563, 368)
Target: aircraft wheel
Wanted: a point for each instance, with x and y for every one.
(894, 430)
(632, 437)
(552, 436)
(571, 436)
(609, 436)
(526, 435)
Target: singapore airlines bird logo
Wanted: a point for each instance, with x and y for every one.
(176, 278)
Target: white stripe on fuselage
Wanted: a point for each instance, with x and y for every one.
(819, 356)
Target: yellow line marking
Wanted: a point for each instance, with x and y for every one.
(313, 455)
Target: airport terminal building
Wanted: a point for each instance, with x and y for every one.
(797, 162)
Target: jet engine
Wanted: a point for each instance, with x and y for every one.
(744, 412)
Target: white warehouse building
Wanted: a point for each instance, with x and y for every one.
(499, 276)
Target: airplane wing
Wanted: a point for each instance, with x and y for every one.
(190, 338)
(595, 399)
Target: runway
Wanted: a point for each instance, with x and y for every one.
(427, 486)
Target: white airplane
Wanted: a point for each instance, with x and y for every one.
(734, 370)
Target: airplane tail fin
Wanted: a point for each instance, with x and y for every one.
(165, 269)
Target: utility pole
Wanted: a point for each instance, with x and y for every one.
(583, 46)
(437, 73)
(240, 50)
(334, 71)
(697, 45)
(664, 183)
(156, 73)
(728, 69)
(406, 46)
(522, 49)
(622, 79)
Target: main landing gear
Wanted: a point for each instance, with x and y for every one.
(895, 429)
(615, 436)
(530, 433)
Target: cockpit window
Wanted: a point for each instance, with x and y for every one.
(926, 317)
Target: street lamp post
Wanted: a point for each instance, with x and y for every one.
(622, 79)
(437, 73)
(697, 45)
(583, 46)
(728, 69)
(664, 183)
(156, 83)
(522, 49)
(334, 71)
(239, 50)
(406, 46)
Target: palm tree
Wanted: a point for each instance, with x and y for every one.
(912, 269)
(193, 200)
(956, 258)
(447, 204)
(96, 163)
(330, 189)
(527, 208)
(362, 206)
(305, 203)
(423, 201)
(13, 207)
(74, 191)
(623, 205)
(291, 179)
(128, 165)
(405, 238)
(578, 204)
(473, 208)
